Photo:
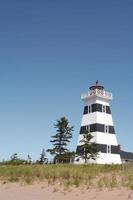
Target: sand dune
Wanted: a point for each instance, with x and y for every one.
(40, 191)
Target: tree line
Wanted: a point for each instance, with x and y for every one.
(59, 150)
(16, 160)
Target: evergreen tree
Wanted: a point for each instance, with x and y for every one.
(61, 139)
(15, 160)
(43, 157)
(89, 149)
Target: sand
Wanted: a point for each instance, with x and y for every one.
(40, 191)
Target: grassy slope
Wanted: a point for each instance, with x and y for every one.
(97, 176)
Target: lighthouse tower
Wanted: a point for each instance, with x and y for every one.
(97, 119)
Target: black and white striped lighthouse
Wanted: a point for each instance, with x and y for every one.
(97, 118)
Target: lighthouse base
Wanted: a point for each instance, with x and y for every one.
(103, 158)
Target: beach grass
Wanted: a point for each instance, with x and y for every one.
(66, 175)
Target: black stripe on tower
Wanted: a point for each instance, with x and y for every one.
(97, 108)
(101, 148)
(97, 128)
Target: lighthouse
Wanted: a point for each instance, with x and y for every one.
(97, 119)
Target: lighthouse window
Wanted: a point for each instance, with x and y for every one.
(115, 149)
(83, 129)
(85, 110)
(108, 111)
(97, 127)
(102, 148)
(96, 107)
(111, 129)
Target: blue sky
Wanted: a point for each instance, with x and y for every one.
(50, 53)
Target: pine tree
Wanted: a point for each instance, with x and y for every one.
(61, 139)
(43, 157)
(88, 149)
(15, 160)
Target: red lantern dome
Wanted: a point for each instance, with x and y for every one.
(97, 86)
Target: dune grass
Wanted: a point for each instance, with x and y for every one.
(89, 176)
